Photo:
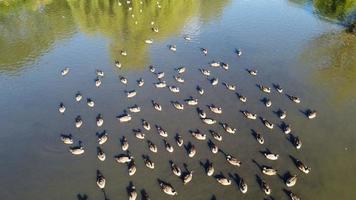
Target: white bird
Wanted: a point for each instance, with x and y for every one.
(61, 108)
(149, 41)
(124, 117)
(131, 93)
(67, 139)
(78, 96)
(65, 71)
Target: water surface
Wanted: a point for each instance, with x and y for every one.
(288, 44)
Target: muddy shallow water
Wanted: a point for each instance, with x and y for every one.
(288, 45)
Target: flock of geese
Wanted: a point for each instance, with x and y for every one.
(191, 102)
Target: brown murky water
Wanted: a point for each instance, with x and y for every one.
(288, 45)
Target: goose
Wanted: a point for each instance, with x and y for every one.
(152, 147)
(135, 108)
(168, 189)
(157, 106)
(233, 161)
(99, 72)
(100, 180)
(198, 135)
(191, 151)
(228, 129)
(179, 79)
(271, 156)
(242, 98)
(215, 109)
(99, 120)
(286, 128)
(155, 29)
(130, 94)
(297, 143)
(201, 113)
(179, 140)
(168, 146)
(78, 97)
(149, 164)
(124, 117)
(191, 101)
(205, 51)
(265, 187)
(139, 134)
(302, 167)
(140, 82)
(180, 70)
(230, 87)
(78, 122)
(175, 169)
(67, 139)
(295, 99)
(161, 131)
(260, 138)
(132, 192)
(132, 167)
(224, 65)
(269, 171)
(200, 90)
(291, 181)
(101, 155)
(178, 105)
(174, 89)
(223, 180)
(77, 150)
(173, 48)
(213, 148)
(311, 114)
(123, 158)
(123, 53)
(214, 81)
(97, 82)
(102, 138)
(209, 121)
(65, 71)
(215, 64)
(216, 135)
(267, 102)
(149, 41)
(243, 186)
(161, 84)
(282, 114)
(152, 69)
(160, 75)
(249, 115)
(118, 64)
(146, 125)
(209, 169)
(61, 108)
(238, 52)
(205, 72)
(252, 72)
(90, 102)
(124, 144)
(265, 89)
(123, 80)
(188, 177)
(267, 123)
(293, 196)
(279, 88)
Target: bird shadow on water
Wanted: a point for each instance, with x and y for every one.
(235, 177)
(82, 197)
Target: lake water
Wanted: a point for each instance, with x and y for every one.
(285, 41)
